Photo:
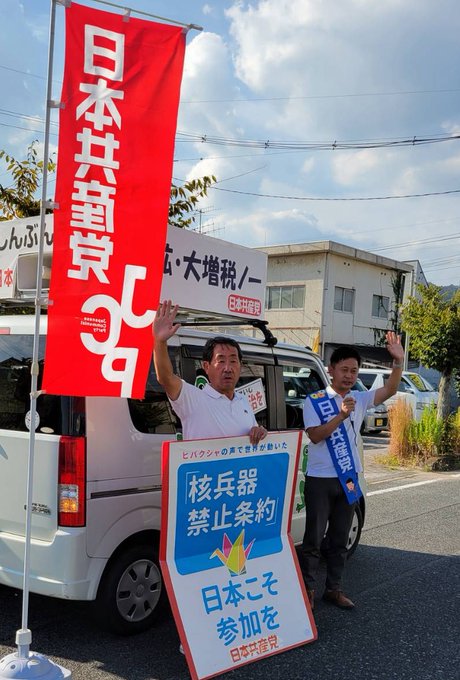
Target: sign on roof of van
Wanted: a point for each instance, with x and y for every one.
(200, 272)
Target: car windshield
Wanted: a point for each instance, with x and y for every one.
(419, 382)
(359, 386)
(301, 385)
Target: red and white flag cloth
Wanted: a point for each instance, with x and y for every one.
(116, 141)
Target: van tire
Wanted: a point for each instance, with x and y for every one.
(131, 593)
(353, 536)
(355, 532)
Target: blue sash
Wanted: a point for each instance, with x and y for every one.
(339, 446)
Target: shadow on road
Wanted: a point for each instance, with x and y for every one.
(405, 626)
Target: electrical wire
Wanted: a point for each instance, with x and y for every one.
(333, 198)
(317, 146)
(356, 144)
(435, 239)
(273, 99)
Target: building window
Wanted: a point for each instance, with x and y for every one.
(285, 297)
(344, 299)
(380, 306)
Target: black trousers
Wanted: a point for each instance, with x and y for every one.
(325, 501)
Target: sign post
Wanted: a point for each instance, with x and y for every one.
(227, 557)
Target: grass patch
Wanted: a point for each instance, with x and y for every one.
(431, 443)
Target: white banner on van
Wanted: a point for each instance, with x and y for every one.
(20, 238)
(200, 273)
(227, 558)
(207, 274)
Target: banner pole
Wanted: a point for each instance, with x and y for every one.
(129, 10)
(25, 664)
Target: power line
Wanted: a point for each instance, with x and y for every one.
(318, 146)
(445, 237)
(396, 93)
(441, 269)
(329, 198)
(19, 127)
(318, 96)
(399, 227)
(25, 73)
(15, 114)
(353, 144)
(239, 155)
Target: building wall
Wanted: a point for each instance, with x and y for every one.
(321, 268)
(297, 326)
(366, 280)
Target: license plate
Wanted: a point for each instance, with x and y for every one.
(379, 422)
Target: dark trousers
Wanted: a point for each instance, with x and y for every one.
(325, 501)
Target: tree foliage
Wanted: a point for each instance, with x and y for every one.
(20, 199)
(184, 200)
(433, 324)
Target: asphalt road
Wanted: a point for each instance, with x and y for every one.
(404, 579)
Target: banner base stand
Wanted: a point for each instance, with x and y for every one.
(33, 667)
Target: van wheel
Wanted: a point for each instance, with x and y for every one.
(131, 592)
(355, 532)
(353, 536)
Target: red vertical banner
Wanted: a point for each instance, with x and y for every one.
(116, 141)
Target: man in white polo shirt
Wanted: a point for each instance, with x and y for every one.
(332, 420)
(216, 410)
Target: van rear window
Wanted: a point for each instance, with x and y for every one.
(368, 379)
(153, 414)
(55, 412)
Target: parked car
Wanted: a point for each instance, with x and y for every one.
(96, 512)
(373, 378)
(376, 418)
(423, 386)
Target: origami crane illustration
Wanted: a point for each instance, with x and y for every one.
(234, 555)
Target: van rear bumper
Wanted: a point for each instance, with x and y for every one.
(60, 568)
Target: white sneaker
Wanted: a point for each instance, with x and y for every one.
(181, 649)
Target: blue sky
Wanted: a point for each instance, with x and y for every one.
(296, 72)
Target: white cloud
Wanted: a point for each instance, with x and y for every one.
(350, 168)
(298, 71)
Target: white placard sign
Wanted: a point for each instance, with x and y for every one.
(255, 393)
(228, 561)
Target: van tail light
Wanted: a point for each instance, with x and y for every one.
(72, 482)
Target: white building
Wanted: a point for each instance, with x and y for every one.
(337, 295)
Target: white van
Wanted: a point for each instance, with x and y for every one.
(97, 477)
(408, 389)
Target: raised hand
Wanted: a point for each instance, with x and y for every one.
(394, 346)
(163, 325)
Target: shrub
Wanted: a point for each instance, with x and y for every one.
(430, 442)
(400, 418)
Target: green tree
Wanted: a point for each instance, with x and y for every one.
(184, 200)
(20, 199)
(433, 324)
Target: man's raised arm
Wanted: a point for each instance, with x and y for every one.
(391, 385)
(163, 329)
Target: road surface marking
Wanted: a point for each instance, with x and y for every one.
(403, 486)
